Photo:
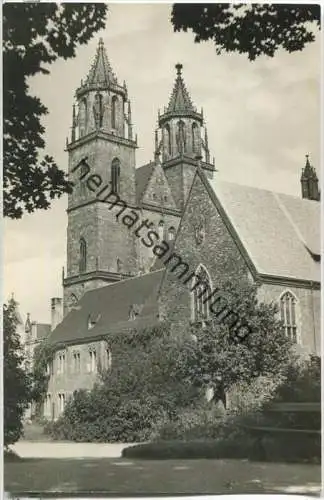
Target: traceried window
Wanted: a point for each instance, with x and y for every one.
(200, 304)
(83, 256)
(288, 306)
(114, 103)
(115, 176)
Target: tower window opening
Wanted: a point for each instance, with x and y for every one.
(194, 138)
(168, 139)
(114, 103)
(83, 256)
(115, 176)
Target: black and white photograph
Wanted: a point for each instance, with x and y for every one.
(162, 195)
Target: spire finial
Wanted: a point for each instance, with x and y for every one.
(179, 67)
(101, 42)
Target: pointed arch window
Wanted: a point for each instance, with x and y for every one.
(168, 139)
(288, 310)
(202, 290)
(161, 229)
(115, 175)
(83, 116)
(114, 103)
(83, 256)
(181, 136)
(194, 138)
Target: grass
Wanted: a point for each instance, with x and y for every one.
(125, 476)
(272, 450)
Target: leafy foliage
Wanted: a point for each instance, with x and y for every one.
(142, 387)
(17, 383)
(34, 36)
(251, 29)
(43, 356)
(214, 356)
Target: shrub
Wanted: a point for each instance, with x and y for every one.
(201, 422)
(245, 398)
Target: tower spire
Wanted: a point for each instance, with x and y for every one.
(180, 99)
(101, 72)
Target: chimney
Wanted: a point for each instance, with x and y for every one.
(56, 312)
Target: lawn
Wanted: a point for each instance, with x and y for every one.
(123, 476)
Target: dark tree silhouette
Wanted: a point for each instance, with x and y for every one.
(17, 383)
(34, 36)
(251, 29)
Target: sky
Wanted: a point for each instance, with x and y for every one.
(262, 117)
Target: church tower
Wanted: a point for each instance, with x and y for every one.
(100, 250)
(309, 182)
(181, 140)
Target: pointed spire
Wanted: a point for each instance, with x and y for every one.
(101, 71)
(206, 146)
(129, 121)
(180, 98)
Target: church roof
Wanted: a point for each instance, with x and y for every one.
(101, 71)
(109, 307)
(142, 177)
(280, 233)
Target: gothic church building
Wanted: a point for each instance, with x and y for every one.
(115, 282)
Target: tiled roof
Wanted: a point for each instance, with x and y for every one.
(109, 308)
(279, 232)
(142, 176)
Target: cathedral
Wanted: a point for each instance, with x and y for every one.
(137, 235)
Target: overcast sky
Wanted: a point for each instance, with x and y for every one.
(262, 118)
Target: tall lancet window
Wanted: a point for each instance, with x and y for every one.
(288, 303)
(83, 256)
(161, 229)
(195, 138)
(114, 103)
(83, 116)
(200, 306)
(181, 136)
(167, 133)
(115, 175)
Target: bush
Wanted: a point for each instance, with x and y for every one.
(245, 398)
(202, 422)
